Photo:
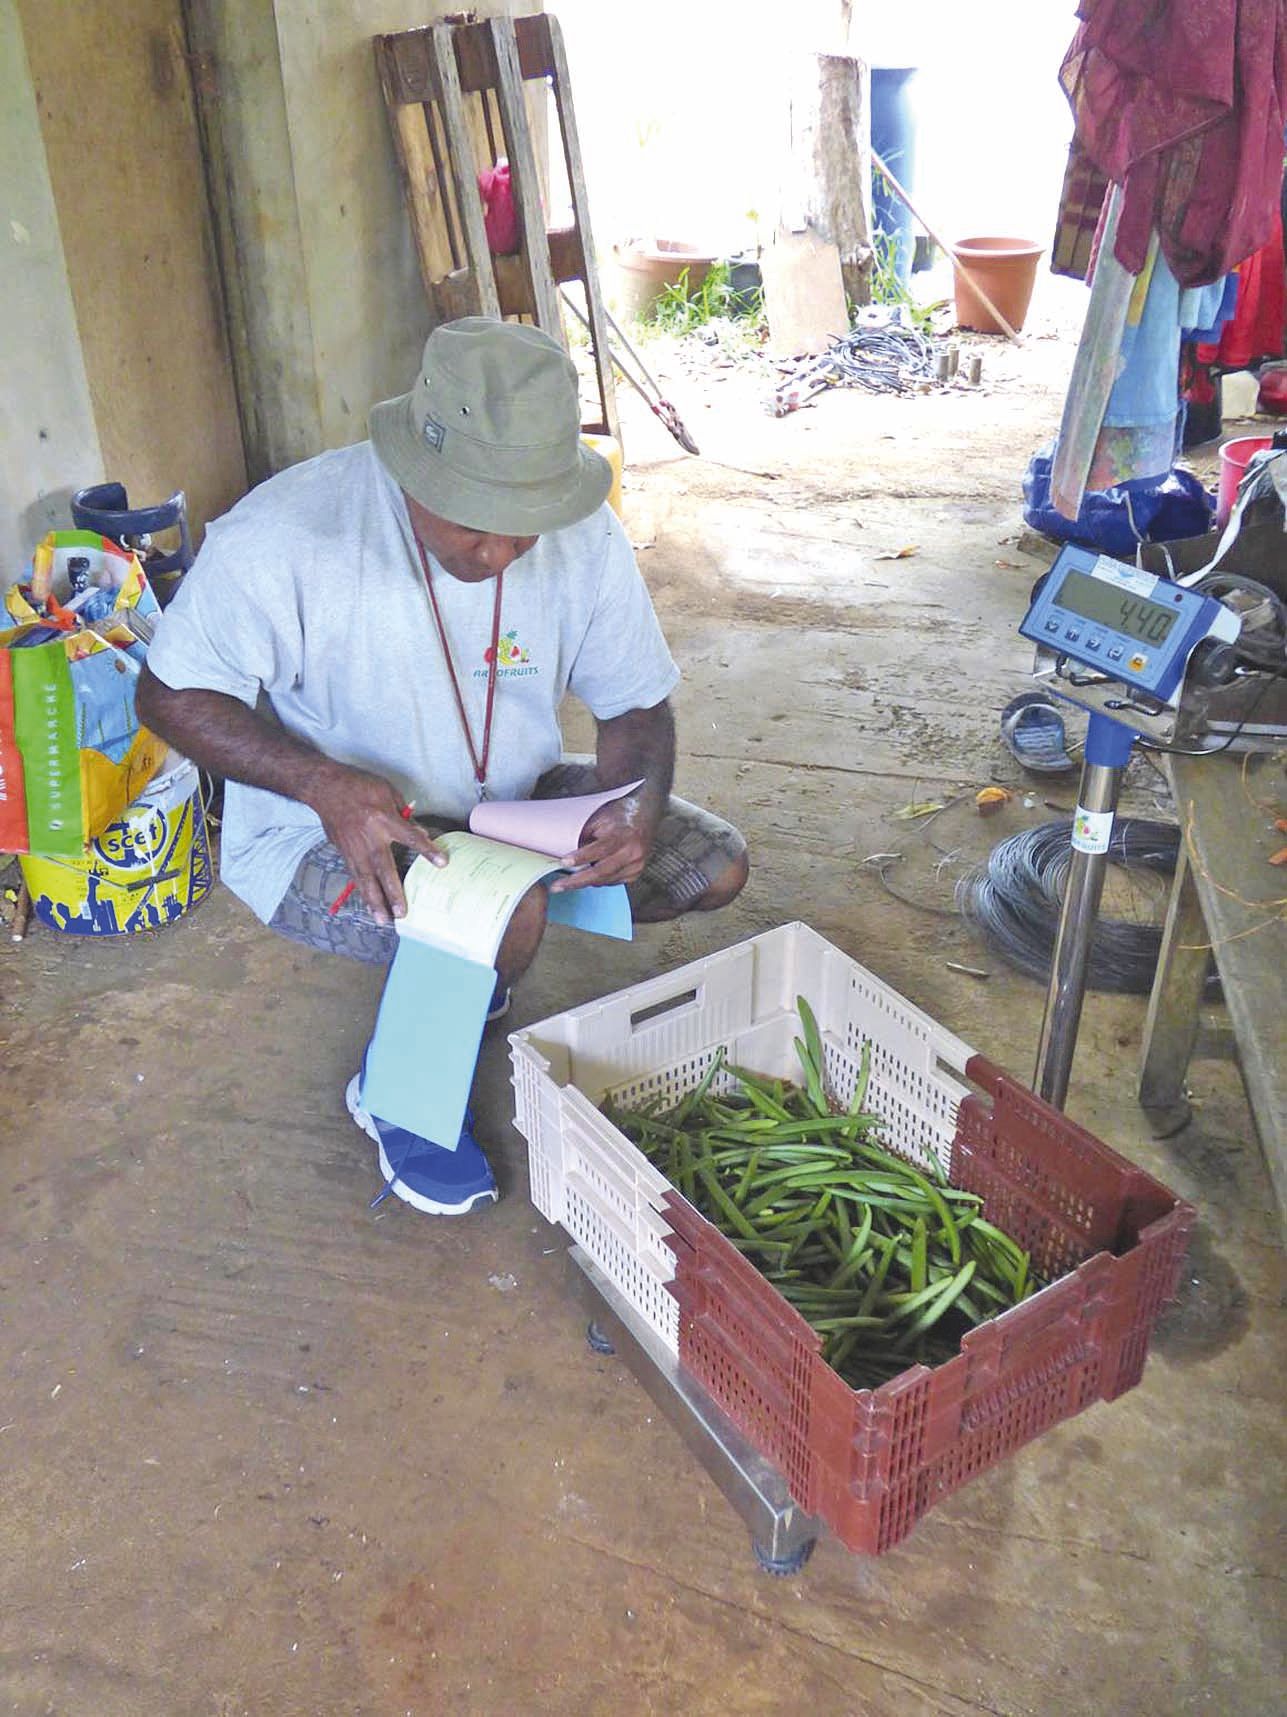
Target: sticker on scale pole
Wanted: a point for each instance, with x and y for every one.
(1092, 830)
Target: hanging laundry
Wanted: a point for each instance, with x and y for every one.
(1181, 103)
(1256, 330)
(1081, 205)
(1095, 367)
(1122, 414)
(1204, 311)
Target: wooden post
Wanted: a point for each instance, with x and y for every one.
(1171, 1028)
(524, 180)
(842, 167)
(587, 271)
(820, 258)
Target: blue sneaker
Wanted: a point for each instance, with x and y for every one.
(441, 1182)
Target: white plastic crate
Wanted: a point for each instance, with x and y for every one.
(660, 1037)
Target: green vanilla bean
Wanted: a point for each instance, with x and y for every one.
(695, 1096)
(855, 1114)
(880, 1254)
(941, 1302)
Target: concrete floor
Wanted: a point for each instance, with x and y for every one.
(268, 1452)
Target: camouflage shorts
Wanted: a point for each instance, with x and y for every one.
(693, 850)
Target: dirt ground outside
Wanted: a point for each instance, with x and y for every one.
(266, 1451)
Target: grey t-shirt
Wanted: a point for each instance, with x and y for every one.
(310, 591)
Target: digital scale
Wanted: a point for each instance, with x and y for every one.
(1119, 641)
(1122, 644)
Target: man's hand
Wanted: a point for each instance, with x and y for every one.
(615, 844)
(362, 816)
(360, 812)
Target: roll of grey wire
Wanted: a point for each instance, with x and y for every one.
(1016, 898)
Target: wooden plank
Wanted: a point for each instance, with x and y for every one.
(476, 53)
(475, 57)
(421, 188)
(456, 295)
(1171, 1027)
(464, 172)
(524, 180)
(804, 293)
(589, 272)
(567, 254)
(407, 60)
(513, 286)
(431, 131)
(539, 45)
(1226, 819)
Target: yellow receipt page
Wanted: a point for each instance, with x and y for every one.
(464, 905)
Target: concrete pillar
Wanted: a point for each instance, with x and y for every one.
(47, 433)
(241, 103)
(110, 297)
(328, 311)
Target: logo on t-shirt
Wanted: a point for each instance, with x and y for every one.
(511, 659)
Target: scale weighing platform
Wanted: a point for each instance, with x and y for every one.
(782, 1534)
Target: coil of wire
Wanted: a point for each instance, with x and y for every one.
(1016, 897)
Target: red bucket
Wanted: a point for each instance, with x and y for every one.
(1235, 456)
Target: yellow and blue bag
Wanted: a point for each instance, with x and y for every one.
(72, 752)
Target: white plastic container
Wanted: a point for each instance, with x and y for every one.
(660, 1037)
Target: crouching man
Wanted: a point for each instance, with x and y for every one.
(395, 624)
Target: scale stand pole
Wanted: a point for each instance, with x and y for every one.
(1108, 749)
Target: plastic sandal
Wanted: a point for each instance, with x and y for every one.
(1032, 730)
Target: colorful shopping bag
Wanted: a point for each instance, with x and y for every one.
(72, 753)
(13, 798)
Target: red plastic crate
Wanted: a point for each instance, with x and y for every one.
(870, 1462)
(1108, 1238)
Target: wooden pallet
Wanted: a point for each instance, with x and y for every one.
(456, 102)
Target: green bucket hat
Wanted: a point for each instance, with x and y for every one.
(490, 435)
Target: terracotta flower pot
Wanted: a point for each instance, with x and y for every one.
(645, 270)
(1006, 268)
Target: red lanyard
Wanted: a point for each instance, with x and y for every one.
(477, 758)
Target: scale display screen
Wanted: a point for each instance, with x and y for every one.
(1110, 605)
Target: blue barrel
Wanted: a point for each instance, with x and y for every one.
(893, 137)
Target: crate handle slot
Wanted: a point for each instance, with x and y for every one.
(1056, 1366)
(685, 999)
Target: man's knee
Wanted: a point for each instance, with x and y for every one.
(726, 887)
(523, 934)
(531, 913)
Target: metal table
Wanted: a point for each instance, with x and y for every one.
(782, 1534)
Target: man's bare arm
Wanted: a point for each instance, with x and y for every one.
(619, 837)
(359, 811)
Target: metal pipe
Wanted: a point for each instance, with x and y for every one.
(1108, 748)
(1085, 886)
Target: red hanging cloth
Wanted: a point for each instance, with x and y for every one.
(1181, 103)
(1256, 330)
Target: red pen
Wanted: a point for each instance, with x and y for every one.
(405, 813)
